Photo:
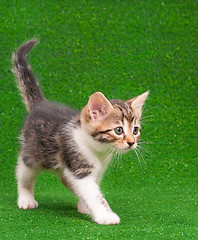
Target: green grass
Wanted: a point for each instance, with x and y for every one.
(121, 48)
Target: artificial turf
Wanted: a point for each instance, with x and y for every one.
(121, 48)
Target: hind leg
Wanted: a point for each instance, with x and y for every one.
(26, 179)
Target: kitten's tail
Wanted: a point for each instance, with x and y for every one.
(26, 81)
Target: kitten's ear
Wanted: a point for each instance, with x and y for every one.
(137, 103)
(99, 106)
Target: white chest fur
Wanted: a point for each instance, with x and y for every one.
(98, 154)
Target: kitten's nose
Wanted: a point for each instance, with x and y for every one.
(130, 144)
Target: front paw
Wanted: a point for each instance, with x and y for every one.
(107, 218)
(27, 204)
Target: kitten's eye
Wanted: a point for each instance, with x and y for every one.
(135, 130)
(118, 130)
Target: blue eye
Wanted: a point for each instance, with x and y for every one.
(135, 130)
(118, 130)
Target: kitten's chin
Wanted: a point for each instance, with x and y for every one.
(124, 150)
(127, 149)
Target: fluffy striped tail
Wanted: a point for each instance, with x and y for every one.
(26, 81)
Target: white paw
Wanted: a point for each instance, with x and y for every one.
(82, 208)
(27, 204)
(109, 218)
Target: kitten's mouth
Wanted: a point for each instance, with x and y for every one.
(126, 149)
(129, 148)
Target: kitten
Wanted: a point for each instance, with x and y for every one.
(78, 146)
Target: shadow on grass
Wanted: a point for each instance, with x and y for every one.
(62, 210)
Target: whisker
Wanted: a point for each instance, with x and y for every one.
(147, 116)
(148, 109)
(121, 153)
(138, 150)
(109, 153)
(143, 145)
(139, 142)
(144, 121)
(146, 147)
(145, 150)
(137, 154)
(113, 160)
(118, 158)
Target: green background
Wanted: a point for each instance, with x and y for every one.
(121, 48)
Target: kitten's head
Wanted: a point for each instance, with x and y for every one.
(113, 122)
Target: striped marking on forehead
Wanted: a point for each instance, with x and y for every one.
(126, 110)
